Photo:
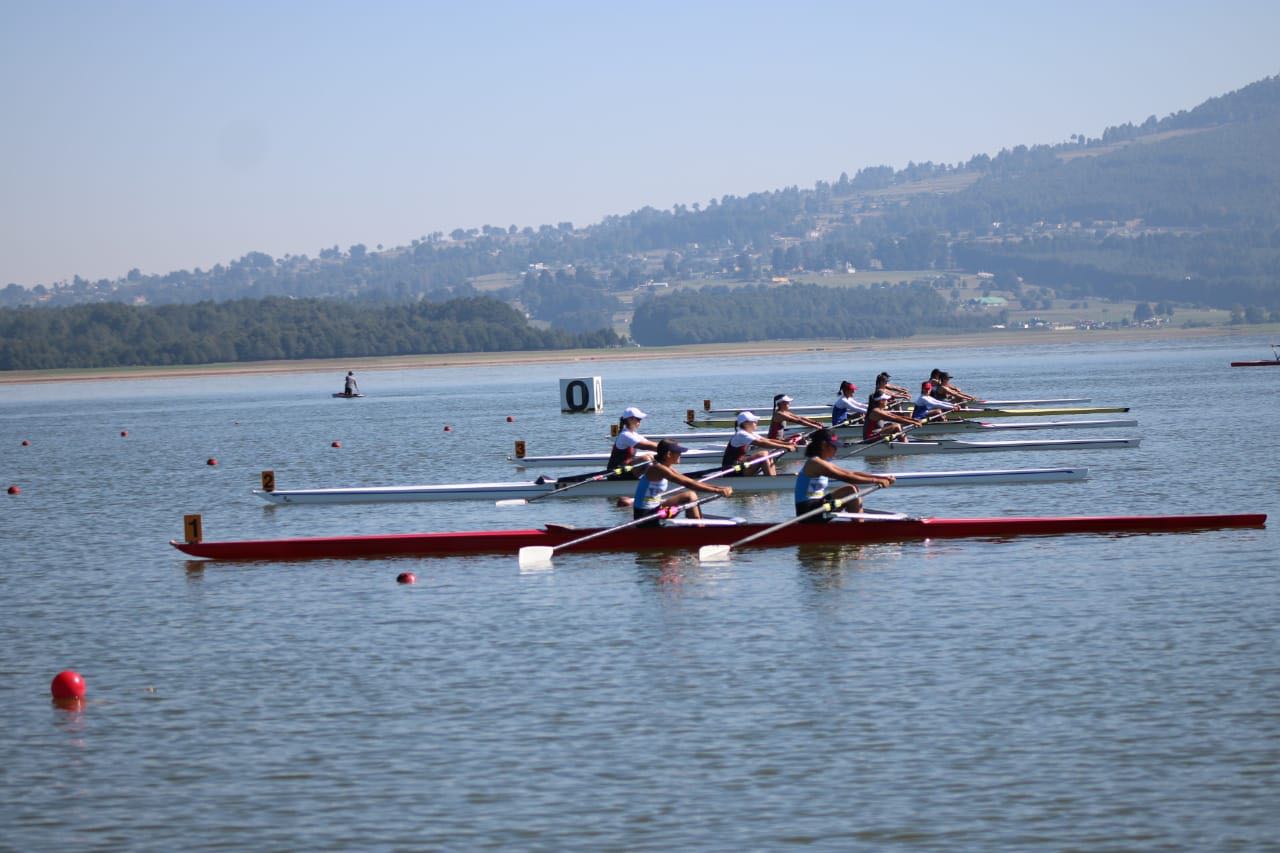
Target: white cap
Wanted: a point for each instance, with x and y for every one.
(633, 412)
(743, 417)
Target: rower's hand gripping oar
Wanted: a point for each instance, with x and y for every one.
(540, 555)
(708, 553)
(595, 478)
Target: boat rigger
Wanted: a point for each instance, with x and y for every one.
(532, 489)
(692, 420)
(687, 537)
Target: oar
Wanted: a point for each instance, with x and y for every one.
(721, 552)
(540, 555)
(595, 478)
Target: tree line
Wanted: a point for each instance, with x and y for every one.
(114, 335)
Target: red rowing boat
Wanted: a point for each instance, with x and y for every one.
(690, 538)
(1275, 362)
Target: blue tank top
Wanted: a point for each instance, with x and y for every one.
(810, 488)
(648, 493)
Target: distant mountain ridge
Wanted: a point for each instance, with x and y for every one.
(1186, 207)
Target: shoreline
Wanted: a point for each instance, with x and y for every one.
(431, 362)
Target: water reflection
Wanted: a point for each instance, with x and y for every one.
(825, 566)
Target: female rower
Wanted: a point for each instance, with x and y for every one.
(628, 441)
(846, 410)
(782, 415)
(926, 404)
(745, 438)
(818, 470)
(882, 382)
(882, 423)
(949, 391)
(656, 479)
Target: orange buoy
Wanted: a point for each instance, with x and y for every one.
(448, 428)
(67, 686)
(406, 577)
(14, 490)
(211, 461)
(336, 444)
(124, 433)
(26, 443)
(623, 502)
(510, 419)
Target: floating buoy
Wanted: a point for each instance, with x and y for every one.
(14, 490)
(406, 577)
(336, 444)
(211, 461)
(67, 686)
(26, 443)
(448, 428)
(510, 419)
(124, 433)
(623, 502)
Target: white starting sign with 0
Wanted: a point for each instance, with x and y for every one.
(585, 394)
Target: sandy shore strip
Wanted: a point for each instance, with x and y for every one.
(757, 348)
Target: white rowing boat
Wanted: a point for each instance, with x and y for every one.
(969, 427)
(977, 404)
(617, 488)
(711, 456)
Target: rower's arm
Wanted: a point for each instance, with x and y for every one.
(855, 478)
(698, 486)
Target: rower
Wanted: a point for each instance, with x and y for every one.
(949, 391)
(881, 423)
(745, 438)
(655, 481)
(349, 387)
(926, 404)
(628, 441)
(846, 410)
(818, 470)
(882, 382)
(782, 415)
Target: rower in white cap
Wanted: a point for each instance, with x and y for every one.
(743, 440)
(782, 415)
(629, 440)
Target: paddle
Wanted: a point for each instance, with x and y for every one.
(595, 478)
(540, 555)
(709, 553)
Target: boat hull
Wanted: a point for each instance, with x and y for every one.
(691, 538)
(933, 428)
(1272, 363)
(616, 488)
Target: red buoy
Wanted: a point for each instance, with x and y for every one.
(26, 443)
(211, 461)
(123, 433)
(448, 428)
(14, 490)
(406, 577)
(510, 419)
(336, 444)
(67, 686)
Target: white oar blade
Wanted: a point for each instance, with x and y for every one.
(535, 556)
(511, 502)
(713, 553)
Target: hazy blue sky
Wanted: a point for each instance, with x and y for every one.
(169, 135)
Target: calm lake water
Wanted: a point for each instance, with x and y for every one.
(1081, 692)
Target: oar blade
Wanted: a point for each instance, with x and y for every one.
(511, 502)
(535, 556)
(713, 553)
